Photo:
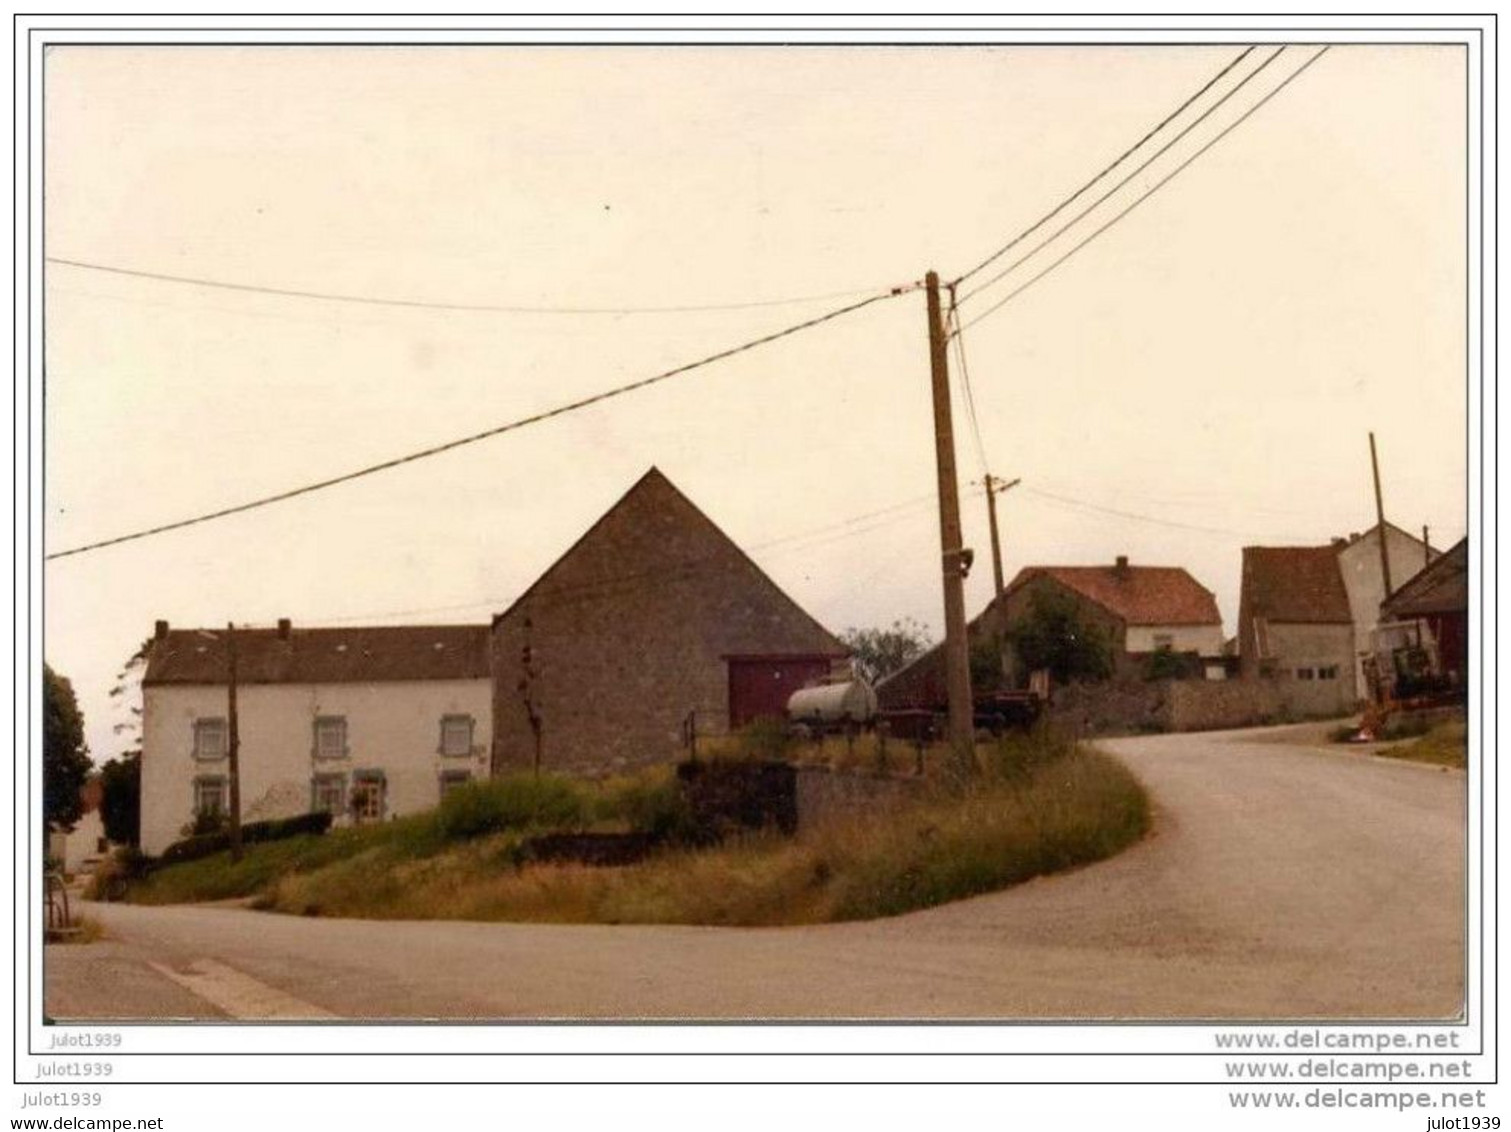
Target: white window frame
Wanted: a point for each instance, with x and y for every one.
(203, 785)
(327, 780)
(208, 725)
(465, 722)
(323, 725)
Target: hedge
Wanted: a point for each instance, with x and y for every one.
(207, 844)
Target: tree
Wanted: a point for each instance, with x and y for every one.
(121, 804)
(1056, 635)
(65, 757)
(881, 652)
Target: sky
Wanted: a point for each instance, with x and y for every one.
(1200, 377)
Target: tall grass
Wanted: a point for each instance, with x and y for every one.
(1037, 805)
(1029, 812)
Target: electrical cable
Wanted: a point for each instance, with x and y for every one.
(1068, 201)
(421, 304)
(536, 418)
(1094, 205)
(1150, 191)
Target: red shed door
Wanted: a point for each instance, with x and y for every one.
(761, 685)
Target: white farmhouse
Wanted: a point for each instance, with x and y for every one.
(368, 723)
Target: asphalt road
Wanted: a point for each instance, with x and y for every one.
(1280, 882)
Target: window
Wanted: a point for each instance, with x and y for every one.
(456, 735)
(330, 737)
(210, 795)
(1164, 641)
(1305, 674)
(328, 793)
(453, 780)
(209, 740)
(368, 795)
(1327, 672)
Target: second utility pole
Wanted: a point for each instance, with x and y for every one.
(994, 486)
(955, 558)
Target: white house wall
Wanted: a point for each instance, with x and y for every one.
(392, 727)
(1359, 563)
(1203, 639)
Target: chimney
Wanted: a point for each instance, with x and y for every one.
(160, 631)
(1120, 567)
(1339, 542)
(284, 625)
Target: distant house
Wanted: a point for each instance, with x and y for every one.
(1308, 614)
(653, 619)
(1432, 608)
(79, 848)
(368, 723)
(1141, 609)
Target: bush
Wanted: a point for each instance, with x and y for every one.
(207, 844)
(517, 802)
(115, 874)
(765, 740)
(658, 808)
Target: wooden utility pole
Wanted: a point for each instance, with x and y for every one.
(955, 558)
(994, 487)
(233, 741)
(1374, 463)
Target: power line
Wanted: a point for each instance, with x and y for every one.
(435, 450)
(1135, 516)
(1013, 294)
(965, 382)
(1094, 205)
(589, 591)
(421, 304)
(1068, 201)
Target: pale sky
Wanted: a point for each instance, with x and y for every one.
(1214, 361)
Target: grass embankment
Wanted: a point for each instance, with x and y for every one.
(1037, 806)
(1446, 744)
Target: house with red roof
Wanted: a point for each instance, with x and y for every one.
(1141, 610)
(1307, 615)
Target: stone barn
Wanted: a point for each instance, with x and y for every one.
(652, 620)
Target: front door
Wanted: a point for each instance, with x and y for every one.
(368, 800)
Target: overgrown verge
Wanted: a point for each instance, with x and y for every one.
(1037, 806)
(1447, 744)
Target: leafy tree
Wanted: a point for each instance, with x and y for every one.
(121, 805)
(881, 652)
(1057, 635)
(65, 757)
(986, 665)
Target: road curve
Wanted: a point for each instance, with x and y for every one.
(1279, 882)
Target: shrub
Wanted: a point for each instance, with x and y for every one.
(765, 739)
(206, 844)
(517, 802)
(657, 807)
(114, 875)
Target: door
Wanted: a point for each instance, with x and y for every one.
(760, 686)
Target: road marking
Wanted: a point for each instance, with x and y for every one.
(238, 994)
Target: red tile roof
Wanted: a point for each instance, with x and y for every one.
(1140, 595)
(1295, 584)
(323, 656)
